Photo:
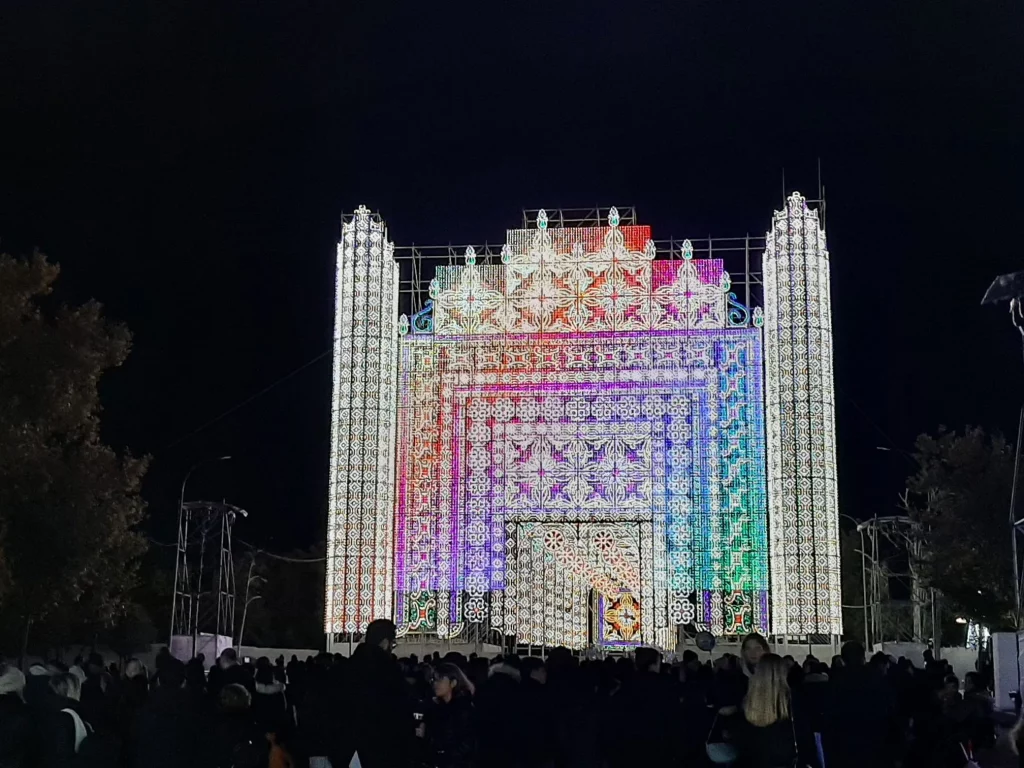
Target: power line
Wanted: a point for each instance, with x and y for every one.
(247, 400)
(285, 558)
(874, 425)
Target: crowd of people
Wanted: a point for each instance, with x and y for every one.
(376, 710)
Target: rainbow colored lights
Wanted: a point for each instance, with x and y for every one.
(569, 448)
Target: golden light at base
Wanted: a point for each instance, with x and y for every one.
(588, 443)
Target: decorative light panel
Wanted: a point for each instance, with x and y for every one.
(360, 534)
(570, 447)
(800, 401)
(581, 447)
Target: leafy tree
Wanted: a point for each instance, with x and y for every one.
(69, 504)
(960, 495)
(132, 632)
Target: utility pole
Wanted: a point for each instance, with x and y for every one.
(864, 585)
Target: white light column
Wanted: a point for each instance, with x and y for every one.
(803, 505)
(360, 525)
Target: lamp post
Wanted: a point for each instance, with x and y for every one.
(863, 576)
(182, 537)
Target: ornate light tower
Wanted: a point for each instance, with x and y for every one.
(800, 421)
(360, 527)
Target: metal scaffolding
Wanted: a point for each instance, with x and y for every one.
(742, 255)
(895, 538)
(204, 592)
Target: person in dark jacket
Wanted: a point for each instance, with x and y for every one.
(229, 672)
(235, 741)
(318, 730)
(134, 691)
(501, 716)
(37, 687)
(859, 703)
(378, 704)
(269, 705)
(96, 706)
(579, 729)
(977, 712)
(765, 734)
(538, 714)
(62, 730)
(166, 732)
(15, 723)
(648, 709)
(195, 683)
(449, 728)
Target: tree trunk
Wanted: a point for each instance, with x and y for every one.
(24, 642)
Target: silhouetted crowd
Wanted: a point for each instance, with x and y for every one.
(375, 710)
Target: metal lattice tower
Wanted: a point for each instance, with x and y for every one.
(204, 583)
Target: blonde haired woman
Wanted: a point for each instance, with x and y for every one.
(766, 738)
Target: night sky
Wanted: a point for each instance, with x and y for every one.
(187, 162)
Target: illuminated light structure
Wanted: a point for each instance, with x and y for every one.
(803, 497)
(360, 527)
(578, 448)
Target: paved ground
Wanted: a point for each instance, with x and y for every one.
(1000, 757)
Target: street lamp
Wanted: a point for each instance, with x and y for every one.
(863, 575)
(182, 536)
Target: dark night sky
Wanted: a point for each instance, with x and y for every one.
(187, 162)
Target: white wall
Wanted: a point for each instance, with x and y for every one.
(963, 660)
(254, 652)
(209, 645)
(1006, 666)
